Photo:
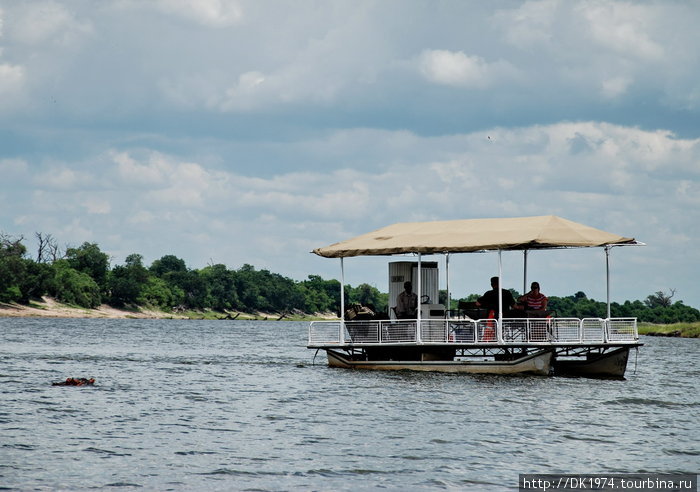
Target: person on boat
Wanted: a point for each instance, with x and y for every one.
(489, 300)
(534, 300)
(406, 302)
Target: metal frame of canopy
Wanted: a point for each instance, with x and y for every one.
(606, 241)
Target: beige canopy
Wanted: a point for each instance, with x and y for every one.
(472, 235)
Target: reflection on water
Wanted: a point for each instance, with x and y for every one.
(219, 405)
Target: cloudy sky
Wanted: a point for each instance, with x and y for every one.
(227, 131)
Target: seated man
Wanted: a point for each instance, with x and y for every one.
(534, 300)
(489, 300)
(406, 303)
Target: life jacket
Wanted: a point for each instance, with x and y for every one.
(489, 334)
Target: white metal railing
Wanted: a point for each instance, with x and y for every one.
(621, 329)
(483, 331)
(593, 329)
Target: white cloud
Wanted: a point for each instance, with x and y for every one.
(59, 178)
(530, 24)
(168, 181)
(614, 87)
(462, 70)
(36, 23)
(13, 168)
(97, 205)
(623, 27)
(154, 173)
(609, 48)
(214, 13)
(12, 81)
(244, 94)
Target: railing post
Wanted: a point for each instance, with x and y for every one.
(606, 327)
(580, 330)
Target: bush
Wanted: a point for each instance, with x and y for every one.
(156, 293)
(10, 294)
(74, 287)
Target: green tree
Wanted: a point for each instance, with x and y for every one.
(168, 264)
(222, 286)
(157, 293)
(88, 259)
(73, 287)
(37, 280)
(367, 295)
(319, 295)
(660, 299)
(125, 282)
(188, 289)
(266, 291)
(13, 268)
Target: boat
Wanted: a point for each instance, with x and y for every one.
(471, 340)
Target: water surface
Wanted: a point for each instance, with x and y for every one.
(243, 405)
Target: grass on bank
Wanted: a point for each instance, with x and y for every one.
(685, 330)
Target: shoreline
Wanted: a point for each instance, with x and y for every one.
(48, 307)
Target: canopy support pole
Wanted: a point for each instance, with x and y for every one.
(524, 272)
(342, 301)
(499, 293)
(447, 286)
(419, 293)
(500, 286)
(607, 278)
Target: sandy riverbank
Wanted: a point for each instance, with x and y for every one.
(48, 307)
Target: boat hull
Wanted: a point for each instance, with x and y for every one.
(538, 363)
(610, 364)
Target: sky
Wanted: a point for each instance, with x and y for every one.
(251, 132)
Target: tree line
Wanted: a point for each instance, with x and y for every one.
(655, 308)
(83, 276)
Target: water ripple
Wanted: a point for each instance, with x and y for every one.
(241, 405)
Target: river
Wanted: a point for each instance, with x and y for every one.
(243, 405)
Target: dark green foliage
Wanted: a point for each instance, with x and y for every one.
(125, 282)
(12, 271)
(265, 291)
(157, 293)
(20, 277)
(168, 264)
(320, 296)
(579, 306)
(38, 279)
(367, 295)
(223, 287)
(12, 268)
(74, 287)
(659, 299)
(90, 260)
(84, 278)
